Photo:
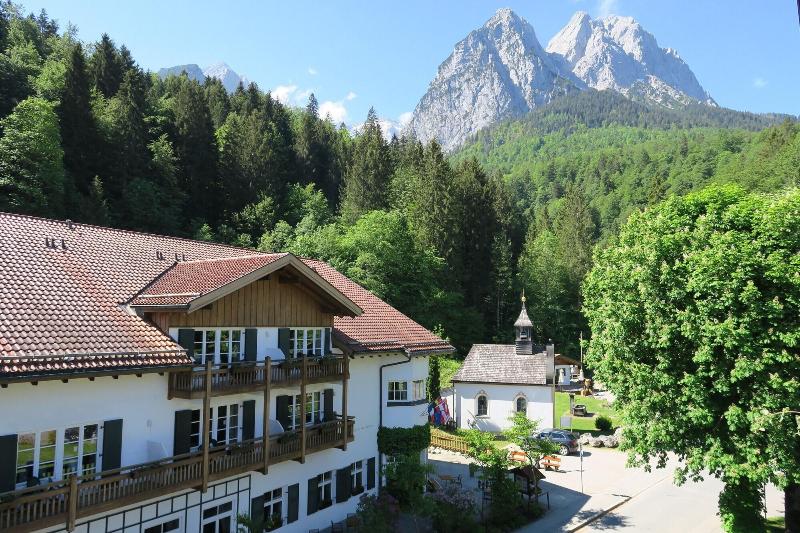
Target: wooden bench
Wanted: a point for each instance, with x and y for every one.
(550, 461)
(519, 456)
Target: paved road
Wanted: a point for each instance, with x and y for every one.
(642, 501)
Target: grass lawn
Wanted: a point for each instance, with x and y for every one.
(593, 405)
(775, 524)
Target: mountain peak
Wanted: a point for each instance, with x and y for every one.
(504, 16)
(221, 71)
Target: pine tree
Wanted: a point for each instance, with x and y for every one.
(196, 150)
(218, 101)
(79, 137)
(106, 67)
(366, 183)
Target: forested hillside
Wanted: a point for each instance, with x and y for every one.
(86, 134)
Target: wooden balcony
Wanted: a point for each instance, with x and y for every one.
(64, 502)
(253, 377)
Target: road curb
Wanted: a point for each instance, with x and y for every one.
(600, 514)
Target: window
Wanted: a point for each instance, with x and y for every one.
(56, 454)
(165, 527)
(357, 474)
(522, 405)
(419, 390)
(324, 488)
(398, 391)
(313, 409)
(305, 342)
(221, 346)
(483, 405)
(225, 425)
(217, 519)
(273, 506)
(80, 450)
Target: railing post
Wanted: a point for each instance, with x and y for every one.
(303, 379)
(265, 432)
(206, 425)
(72, 502)
(345, 380)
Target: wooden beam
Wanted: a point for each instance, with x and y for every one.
(72, 502)
(303, 380)
(206, 425)
(345, 379)
(265, 433)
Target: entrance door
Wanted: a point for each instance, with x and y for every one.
(218, 517)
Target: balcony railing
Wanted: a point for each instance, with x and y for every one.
(63, 502)
(251, 377)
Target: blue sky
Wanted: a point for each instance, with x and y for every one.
(353, 54)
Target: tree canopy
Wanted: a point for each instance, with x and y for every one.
(695, 318)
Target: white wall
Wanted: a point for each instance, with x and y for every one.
(401, 414)
(502, 404)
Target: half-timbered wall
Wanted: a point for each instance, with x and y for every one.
(268, 302)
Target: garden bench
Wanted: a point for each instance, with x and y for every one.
(550, 461)
(519, 456)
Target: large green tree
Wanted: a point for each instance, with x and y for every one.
(31, 166)
(695, 319)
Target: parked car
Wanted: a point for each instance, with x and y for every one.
(567, 442)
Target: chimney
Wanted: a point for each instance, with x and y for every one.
(551, 362)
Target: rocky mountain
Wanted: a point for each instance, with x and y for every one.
(229, 78)
(616, 53)
(498, 71)
(501, 71)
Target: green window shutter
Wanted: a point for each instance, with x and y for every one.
(112, 444)
(327, 405)
(313, 495)
(186, 340)
(282, 411)
(293, 510)
(371, 473)
(343, 484)
(257, 510)
(183, 428)
(250, 344)
(326, 341)
(8, 462)
(283, 341)
(248, 419)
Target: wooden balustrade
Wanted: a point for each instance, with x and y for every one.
(242, 377)
(62, 502)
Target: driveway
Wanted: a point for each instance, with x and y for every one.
(639, 501)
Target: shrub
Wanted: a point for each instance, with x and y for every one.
(454, 511)
(603, 423)
(378, 514)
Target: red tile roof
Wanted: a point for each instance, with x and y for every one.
(62, 287)
(381, 327)
(186, 281)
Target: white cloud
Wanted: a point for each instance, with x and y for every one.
(404, 119)
(312, 71)
(283, 93)
(301, 97)
(350, 96)
(335, 110)
(607, 7)
(760, 83)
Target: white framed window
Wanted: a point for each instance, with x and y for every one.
(218, 518)
(273, 507)
(306, 341)
(221, 346)
(325, 486)
(226, 425)
(165, 526)
(55, 454)
(398, 391)
(313, 413)
(419, 390)
(483, 405)
(357, 474)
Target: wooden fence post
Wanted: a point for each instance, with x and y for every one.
(206, 429)
(265, 433)
(72, 502)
